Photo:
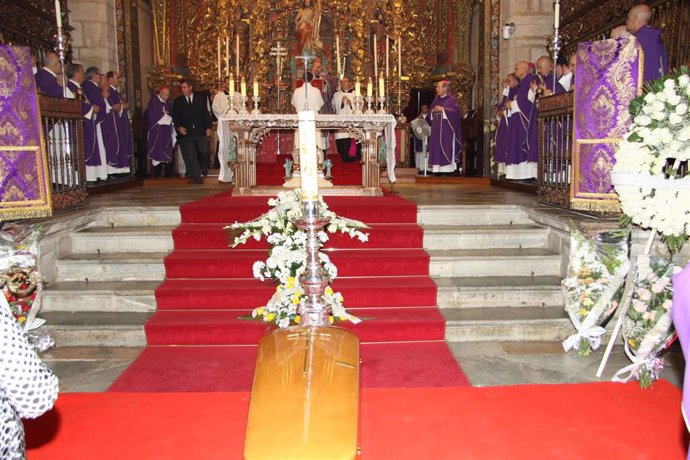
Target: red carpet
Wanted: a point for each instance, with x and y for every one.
(198, 343)
(343, 173)
(564, 422)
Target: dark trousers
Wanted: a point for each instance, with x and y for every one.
(343, 146)
(195, 155)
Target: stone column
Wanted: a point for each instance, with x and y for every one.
(94, 38)
(534, 24)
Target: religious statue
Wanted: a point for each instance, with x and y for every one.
(308, 28)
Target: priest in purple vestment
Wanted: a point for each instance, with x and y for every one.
(48, 78)
(118, 160)
(94, 153)
(159, 140)
(649, 38)
(75, 78)
(545, 77)
(445, 142)
(503, 114)
(522, 130)
(680, 312)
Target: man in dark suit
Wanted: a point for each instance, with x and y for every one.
(193, 124)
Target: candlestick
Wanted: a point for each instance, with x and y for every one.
(370, 88)
(376, 57)
(309, 184)
(227, 56)
(218, 58)
(557, 15)
(255, 88)
(337, 54)
(359, 104)
(399, 57)
(388, 55)
(382, 105)
(58, 14)
(243, 87)
(237, 54)
(369, 110)
(256, 110)
(232, 85)
(382, 86)
(358, 88)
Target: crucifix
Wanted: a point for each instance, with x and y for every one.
(279, 52)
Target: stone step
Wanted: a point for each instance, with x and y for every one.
(494, 262)
(472, 215)
(507, 324)
(138, 216)
(123, 239)
(124, 266)
(499, 291)
(109, 329)
(483, 236)
(100, 296)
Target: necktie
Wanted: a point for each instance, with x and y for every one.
(189, 100)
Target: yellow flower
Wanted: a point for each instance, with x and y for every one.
(631, 342)
(298, 318)
(260, 311)
(329, 291)
(582, 312)
(270, 317)
(331, 320)
(295, 300)
(342, 318)
(290, 283)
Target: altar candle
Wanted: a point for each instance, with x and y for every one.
(370, 88)
(309, 184)
(382, 86)
(218, 58)
(557, 15)
(358, 88)
(388, 61)
(243, 87)
(337, 54)
(58, 14)
(255, 88)
(232, 85)
(227, 56)
(376, 58)
(399, 57)
(237, 54)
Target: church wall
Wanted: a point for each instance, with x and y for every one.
(534, 24)
(145, 49)
(94, 41)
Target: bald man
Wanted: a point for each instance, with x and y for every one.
(445, 142)
(544, 81)
(521, 161)
(649, 38)
(47, 78)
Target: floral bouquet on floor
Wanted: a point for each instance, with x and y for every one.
(288, 255)
(594, 285)
(20, 280)
(648, 327)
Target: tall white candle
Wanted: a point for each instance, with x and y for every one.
(370, 88)
(309, 183)
(388, 55)
(358, 88)
(243, 87)
(376, 57)
(237, 54)
(255, 88)
(337, 54)
(399, 57)
(58, 14)
(232, 86)
(382, 86)
(227, 56)
(218, 58)
(557, 15)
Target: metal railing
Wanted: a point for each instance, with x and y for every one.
(555, 124)
(63, 135)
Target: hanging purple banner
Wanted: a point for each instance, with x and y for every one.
(608, 76)
(24, 183)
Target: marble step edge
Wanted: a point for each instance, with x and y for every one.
(138, 216)
(553, 330)
(98, 336)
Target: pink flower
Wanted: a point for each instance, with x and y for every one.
(648, 315)
(639, 307)
(667, 304)
(644, 294)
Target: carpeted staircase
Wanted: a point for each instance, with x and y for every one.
(196, 341)
(343, 173)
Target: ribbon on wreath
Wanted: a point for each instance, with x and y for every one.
(587, 329)
(646, 356)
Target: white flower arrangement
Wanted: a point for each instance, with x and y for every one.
(647, 326)
(593, 287)
(288, 254)
(651, 170)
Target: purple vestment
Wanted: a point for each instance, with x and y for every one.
(122, 144)
(94, 96)
(522, 129)
(655, 59)
(445, 142)
(501, 150)
(548, 82)
(48, 84)
(89, 125)
(159, 146)
(680, 313)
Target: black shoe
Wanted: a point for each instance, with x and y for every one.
(198, 180)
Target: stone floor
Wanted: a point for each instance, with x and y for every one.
(86, 369)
